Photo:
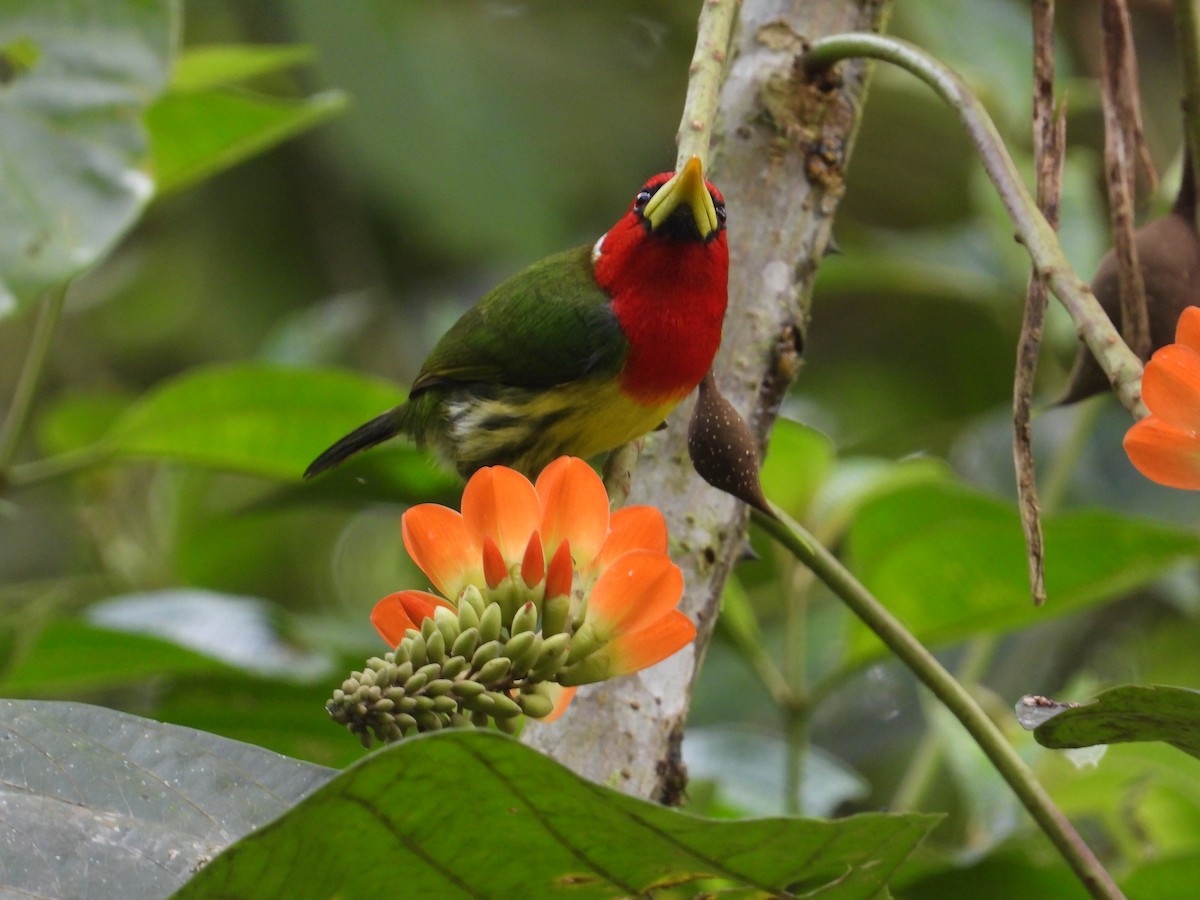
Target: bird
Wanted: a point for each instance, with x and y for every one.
(1169, 258)
(581, 352)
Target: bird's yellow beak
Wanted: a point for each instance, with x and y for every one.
(686, 186)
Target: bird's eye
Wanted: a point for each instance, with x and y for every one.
(721, 214)
(642, 199)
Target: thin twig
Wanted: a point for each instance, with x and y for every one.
(30, 377)
(1124, 149)
(953, 695)
(713, 31)
(1187, 26)
(705, 76)
(1123, 367)
(1049, 145)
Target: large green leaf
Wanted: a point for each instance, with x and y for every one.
(75, 77)
(1170, 878)
(249, 418)
(196, 134)
(950, 562)
(51, 665)
(1131, 712)
(100, 804)
(217, 65)
(475, 814)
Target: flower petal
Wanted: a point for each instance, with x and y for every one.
(562, 699)
(1171, 386)
(560, 575)
(636, 650)
(437, 540)
(638, 588)
(1187, 332)
(533, 563)
(494, 569)
(1165, 454)
(396, 613)
(632, 528)
(501, 502)
(574, 507)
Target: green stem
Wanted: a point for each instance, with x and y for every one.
(57, 466)
(796, 716)
(1094, 327)
(27, 382)
(1187, 26)
(705, 75)
(953, 695)
(797, 710)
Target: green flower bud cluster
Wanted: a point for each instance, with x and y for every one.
(486, 663)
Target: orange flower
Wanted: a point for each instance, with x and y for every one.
(555, 540)
(1165, 446)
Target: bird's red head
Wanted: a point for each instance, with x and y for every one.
(666, 266)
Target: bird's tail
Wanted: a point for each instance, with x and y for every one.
(378, 430)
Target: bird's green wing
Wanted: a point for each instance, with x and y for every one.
(547, 325)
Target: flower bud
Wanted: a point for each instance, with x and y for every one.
(485, 654)
(416, 651)
(595, 667)
(467, 616)
(465, 689)
(416, 682)
(584, 642)
(490, 623)
(472, 597)
(505, 707)
(395, 693)
(525, 619)
(430, 671)
(447, 623)
(555, 611)
(480, 703)
(466, 643)
(551, 657)
(428, 627)
(438, 687)
(445, 705)
(400, 654)
(494, 670)
(519, 644)
(536, 706)
(435, 645)
(453, 666)
(523, 661)
(429, 721)
(510, 725)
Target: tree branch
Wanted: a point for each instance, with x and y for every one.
(953, 696)
(778, 147)
(1094, 327)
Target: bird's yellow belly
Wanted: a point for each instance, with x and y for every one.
(527, 429)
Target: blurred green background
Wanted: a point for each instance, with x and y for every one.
(479, 137)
